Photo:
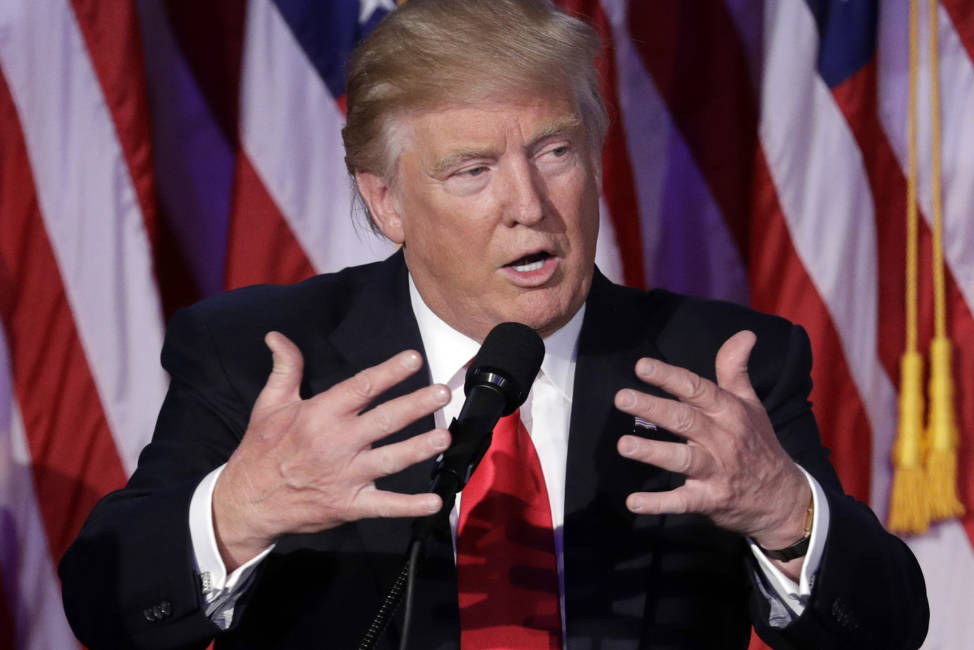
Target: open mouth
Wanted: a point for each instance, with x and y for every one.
(531, 262)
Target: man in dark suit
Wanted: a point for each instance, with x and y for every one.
(691, 495)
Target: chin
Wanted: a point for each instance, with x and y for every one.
(548, 319)
(543, 310)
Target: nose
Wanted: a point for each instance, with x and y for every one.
(526, 195)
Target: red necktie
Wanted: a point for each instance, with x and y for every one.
(507, 572)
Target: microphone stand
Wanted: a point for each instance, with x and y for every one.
(447, 482)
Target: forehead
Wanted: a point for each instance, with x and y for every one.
(442, 130)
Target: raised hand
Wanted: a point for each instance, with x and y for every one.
(736, 471)
(308, 465)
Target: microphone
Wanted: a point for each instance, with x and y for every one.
(497, 383)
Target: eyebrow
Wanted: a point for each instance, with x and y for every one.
(559, 126)
(556, 127)
(460, 156)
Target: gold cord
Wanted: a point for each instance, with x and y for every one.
(942, 435)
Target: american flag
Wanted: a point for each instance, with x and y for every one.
(152, 153)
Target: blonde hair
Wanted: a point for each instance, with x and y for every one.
(431, 53)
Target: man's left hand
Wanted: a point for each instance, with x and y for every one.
(737, 473)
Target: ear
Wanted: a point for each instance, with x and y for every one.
(382, 204)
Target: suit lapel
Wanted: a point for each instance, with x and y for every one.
(608, 551)
(379, 324)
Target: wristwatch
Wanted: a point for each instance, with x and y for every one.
(800, 547)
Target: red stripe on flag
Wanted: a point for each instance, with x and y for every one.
(961, 329)
(111, 33)
(262, 247)
(857, 99)
(210, 35)
(780, 284)
(700, 68)
(74, 459)
(618, 182)
(961, 13)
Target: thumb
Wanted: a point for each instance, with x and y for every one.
(284, 381)
(731, 365)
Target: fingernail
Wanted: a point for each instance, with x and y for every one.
(441, 394)
(645, 367)
(635, 504)
(440, 441)
(626, 398)
(627, 446)
(411, 360)
(434, 506)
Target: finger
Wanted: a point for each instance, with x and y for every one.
(672, 502)
(683, 384)
(357, 392)
(391, 416)
(678, 457)
(383, 504)
(677, 417)
(389, 459)
(731, 365)
(284, 381)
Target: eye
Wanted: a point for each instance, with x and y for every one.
(556, 151)
(473, 172)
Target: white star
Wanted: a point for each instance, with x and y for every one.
(369, 7)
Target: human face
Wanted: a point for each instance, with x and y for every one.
(497, 209)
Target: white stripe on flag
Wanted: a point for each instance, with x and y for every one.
(291, 131)
(607, 256)
(947, 560)
(825, 196)
(31, 585)
(90, 212)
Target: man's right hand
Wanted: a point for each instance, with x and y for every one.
(308, 465)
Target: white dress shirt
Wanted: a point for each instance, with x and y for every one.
(546, 414)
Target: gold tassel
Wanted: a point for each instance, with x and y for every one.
(909, 506)
(942, 436)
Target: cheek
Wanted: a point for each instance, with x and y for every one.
(580, 208)
(455, 252)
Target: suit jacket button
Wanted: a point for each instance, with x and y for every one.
(149, 615)
(165, 608)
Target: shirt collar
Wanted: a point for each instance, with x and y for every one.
(448, 351)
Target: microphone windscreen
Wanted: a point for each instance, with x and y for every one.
(514, 351)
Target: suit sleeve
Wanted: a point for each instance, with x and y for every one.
(129, 580)
(869, 591)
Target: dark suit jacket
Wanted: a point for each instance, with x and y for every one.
(631, 581)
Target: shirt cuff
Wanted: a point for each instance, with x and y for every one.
(220, 591)
(795, 595)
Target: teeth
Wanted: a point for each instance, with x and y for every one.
(527, 268)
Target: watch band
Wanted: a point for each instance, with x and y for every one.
(800, 547)
(797, 549)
